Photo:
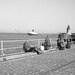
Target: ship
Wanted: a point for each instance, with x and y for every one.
(32, 32)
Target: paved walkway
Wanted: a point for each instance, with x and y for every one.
(21, 55)
(60, 62)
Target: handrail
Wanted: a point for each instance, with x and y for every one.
(2, 43)
(23, 40)
(12, 48)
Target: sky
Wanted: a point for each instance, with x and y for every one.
(44, 16)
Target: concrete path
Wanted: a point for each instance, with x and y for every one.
(5, 58)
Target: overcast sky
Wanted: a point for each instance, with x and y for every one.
(47, 16)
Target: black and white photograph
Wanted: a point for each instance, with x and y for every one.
(37, 37)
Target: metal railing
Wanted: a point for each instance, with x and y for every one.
(16, 46)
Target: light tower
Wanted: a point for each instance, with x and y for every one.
(68, 30)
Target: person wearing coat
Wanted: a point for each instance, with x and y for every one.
(47, 43)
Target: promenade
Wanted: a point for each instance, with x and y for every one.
(57, 62)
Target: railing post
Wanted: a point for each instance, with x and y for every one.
(2, 47)
(38, 42)
(50, 43)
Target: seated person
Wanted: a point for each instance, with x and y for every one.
(47, 43)
(28, 48)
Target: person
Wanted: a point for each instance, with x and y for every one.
(47, 43)
(68, 45)
(28, 48)
(60, 44)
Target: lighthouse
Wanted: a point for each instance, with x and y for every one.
(68, 30)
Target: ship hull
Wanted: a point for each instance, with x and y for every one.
(31, 34)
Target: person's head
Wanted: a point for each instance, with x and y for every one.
(47, 36)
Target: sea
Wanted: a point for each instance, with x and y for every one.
(24, 36)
